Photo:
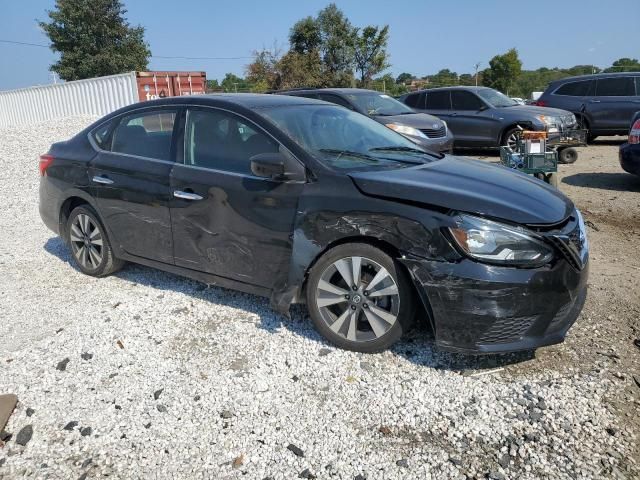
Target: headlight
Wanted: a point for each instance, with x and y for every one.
(406, 130)
(552, 123)
(493, 242)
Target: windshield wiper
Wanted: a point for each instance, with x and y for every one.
(406, 149)
(349, 153)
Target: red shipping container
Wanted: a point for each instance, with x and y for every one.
(152, 85)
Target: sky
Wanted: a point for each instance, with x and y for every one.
(425, 36)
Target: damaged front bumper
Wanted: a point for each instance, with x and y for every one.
(478, 308)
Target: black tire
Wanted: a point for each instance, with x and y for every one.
(505, 141)
(550, 178)
(367, 336)
(567, 155)
(90, 246)
(583, 124)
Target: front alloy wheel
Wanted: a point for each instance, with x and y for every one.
(359, 299)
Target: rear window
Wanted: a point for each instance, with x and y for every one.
(146, 134)
(615, 87)
(439, 100)
(101, 135)
(574, 89)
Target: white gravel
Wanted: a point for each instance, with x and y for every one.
(406, 413)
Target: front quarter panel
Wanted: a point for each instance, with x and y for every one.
(329, 215)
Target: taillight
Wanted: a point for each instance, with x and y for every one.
(634, 134)
(45, 161)
(540, 103)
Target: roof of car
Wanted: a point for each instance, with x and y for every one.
(460, 87)
(352, 91)
(247, 100)
(594, 76)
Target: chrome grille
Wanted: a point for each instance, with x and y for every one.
(435, 132)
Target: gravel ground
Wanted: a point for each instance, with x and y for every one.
(145, 374)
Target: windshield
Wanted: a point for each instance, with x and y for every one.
(495, 98)
(379, 104)
(345, 140)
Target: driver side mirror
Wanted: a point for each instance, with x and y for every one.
(268, 165)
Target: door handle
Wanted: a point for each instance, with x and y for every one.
(102, 179)
(186, 195)
(594, 101)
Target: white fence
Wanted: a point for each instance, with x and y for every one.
(94, 96)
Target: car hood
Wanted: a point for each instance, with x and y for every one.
(470, 186)
(533, 110)
(415, 120)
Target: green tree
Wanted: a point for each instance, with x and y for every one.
(370, 52)
(503, 71)
(467, 79)
(305, 36)
(386, 83)
(213, 85)
(300, 70)
(336, 48)
(443, 78)
(94, 39)
(233, 83)
(263, 73)
(404, 78)
(624, 65)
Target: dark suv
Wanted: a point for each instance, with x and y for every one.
(484, 117)
(425, 130)
(603, 103)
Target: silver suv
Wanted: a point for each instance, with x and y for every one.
(484, 117)
(603, 103)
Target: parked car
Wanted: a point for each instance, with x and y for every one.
(425, 130)
(299, 200)
(484, 117)
(630, 151)
(518, 100)
(603, 103)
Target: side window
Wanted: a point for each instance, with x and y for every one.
(574, 89)
(462, 100)
(638, 86)
(146, 134)
(223, 141)
(615, 87)
(438, 100)
(100, 135)
(335, 99)
(412, 100)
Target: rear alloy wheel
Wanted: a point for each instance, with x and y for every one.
(89, 244)
(359, 299)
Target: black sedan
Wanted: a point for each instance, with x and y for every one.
(630, 151)
(300, 200)
(425, 130)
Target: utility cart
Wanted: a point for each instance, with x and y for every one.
(532, 156)
(565, 141)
